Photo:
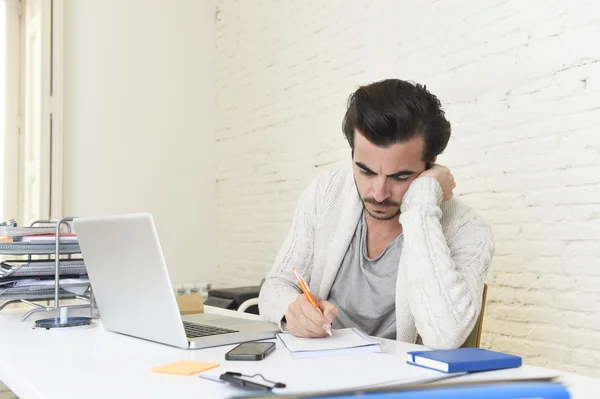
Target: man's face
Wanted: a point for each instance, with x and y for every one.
(382, 175)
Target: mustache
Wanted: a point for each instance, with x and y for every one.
(371, 200)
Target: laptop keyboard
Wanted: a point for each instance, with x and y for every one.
(195, 330)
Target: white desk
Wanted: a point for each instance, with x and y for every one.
(94, 363)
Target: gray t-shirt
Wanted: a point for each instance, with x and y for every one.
(364, 289)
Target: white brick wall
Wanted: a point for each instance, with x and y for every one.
(521, 85)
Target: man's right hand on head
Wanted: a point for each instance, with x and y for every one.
(443, 175)
(303, 320)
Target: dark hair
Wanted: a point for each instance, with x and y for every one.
(393, 111)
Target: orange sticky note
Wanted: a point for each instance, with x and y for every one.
(185, 367)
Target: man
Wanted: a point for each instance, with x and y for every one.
(385, 247)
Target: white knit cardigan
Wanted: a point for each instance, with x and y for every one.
(445, 257)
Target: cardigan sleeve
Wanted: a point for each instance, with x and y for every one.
(445, 268)
(280, 288)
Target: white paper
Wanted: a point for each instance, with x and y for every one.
(512, 374)
(40, 283)
(76, 289)
(336, 373)
(343, 341)
(357, 371)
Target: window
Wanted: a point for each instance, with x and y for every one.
(36, 118)
(2, 97)
(10, 29)
(29, 134)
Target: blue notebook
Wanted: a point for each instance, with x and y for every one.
(529, 390)
(463, 360)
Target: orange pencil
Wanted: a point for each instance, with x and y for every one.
(311, 299)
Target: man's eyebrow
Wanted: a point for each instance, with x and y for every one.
(400, 173)
(364, 167)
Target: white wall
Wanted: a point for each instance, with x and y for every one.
(521, 85)
(139, 120)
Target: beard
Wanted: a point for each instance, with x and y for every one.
(381, 216)
(386, 203)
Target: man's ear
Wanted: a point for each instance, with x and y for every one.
(435, 159)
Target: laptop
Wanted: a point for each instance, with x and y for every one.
(129, 277)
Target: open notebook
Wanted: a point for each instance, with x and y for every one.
(343, 341)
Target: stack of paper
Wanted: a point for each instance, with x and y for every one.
(34, 235)
(46, 238)
(39, 268)
(344, 341)
(13, 231)
(34, 279)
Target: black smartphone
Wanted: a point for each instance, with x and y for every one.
(250, 351)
